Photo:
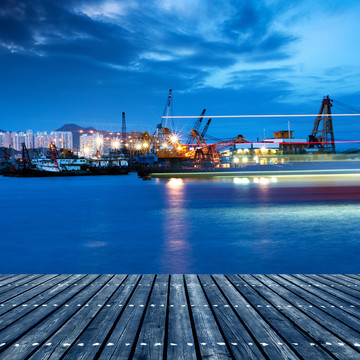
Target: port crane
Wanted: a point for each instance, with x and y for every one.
(123, 133)
(167, 112)
(323, 138)
(205, 129)
(54, 153)
(195, 128)
(25, 157)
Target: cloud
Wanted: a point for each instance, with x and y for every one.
(199, 43)
(108, 10)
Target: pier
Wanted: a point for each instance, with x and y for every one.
(179, 316)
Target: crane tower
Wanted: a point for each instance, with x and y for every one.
(123, 132)
(323, 137)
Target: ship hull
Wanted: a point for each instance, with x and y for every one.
(44, 173)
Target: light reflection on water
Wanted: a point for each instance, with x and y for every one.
(125, 225)
(177, 252)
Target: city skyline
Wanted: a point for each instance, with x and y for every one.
(85, 62)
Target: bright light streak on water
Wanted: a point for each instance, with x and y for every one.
(121, 224)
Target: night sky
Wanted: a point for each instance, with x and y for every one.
(85, 62)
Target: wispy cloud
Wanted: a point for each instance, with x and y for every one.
(196, 44)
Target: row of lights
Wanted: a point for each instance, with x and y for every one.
(263, 150)
(256, 180)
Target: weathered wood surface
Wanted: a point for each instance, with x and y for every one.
(180, 316)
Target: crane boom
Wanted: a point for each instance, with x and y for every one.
(165, 113)
(196, 126)
(205, 129)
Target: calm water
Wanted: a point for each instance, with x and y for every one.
(121, 224)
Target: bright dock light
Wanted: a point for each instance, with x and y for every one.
(115, 144)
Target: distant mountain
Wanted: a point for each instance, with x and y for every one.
(74, 127)
(77, 131)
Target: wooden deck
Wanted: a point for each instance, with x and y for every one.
(180, 317)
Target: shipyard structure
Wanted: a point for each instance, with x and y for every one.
(166, 151)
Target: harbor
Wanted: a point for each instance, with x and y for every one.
(179, 316)
(179, 180)
(167, 152)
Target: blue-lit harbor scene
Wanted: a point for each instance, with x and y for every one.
(179, 179)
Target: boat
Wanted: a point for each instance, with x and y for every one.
(68, 164)
(111, 164)
(43, 166)
(291, 168)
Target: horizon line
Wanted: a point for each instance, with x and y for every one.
(253, 116)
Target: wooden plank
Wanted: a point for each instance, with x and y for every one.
(344, 280)
(278, 297)
(330, 304)
(107, 297)
(330, 287)
(50, 322)
(297, 339)
(263, 335)
(4, 277)
(179, 325)
(318, 314)
(19, 283)
(282, 316)
(353, 276)
(21, 292)
(152, 331)
(115, 330)
(50, 289)
(11, 279)
(206, 329)
(234, 331)
(20, 327)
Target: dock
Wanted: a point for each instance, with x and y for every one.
(79, 316)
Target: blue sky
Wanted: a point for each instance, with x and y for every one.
(86, 61)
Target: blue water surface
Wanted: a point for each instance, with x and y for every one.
(122, 224)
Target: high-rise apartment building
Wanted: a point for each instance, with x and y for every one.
(29, 140)
(41, 140)
(5, 139)
(63, 139)
(17, 139)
